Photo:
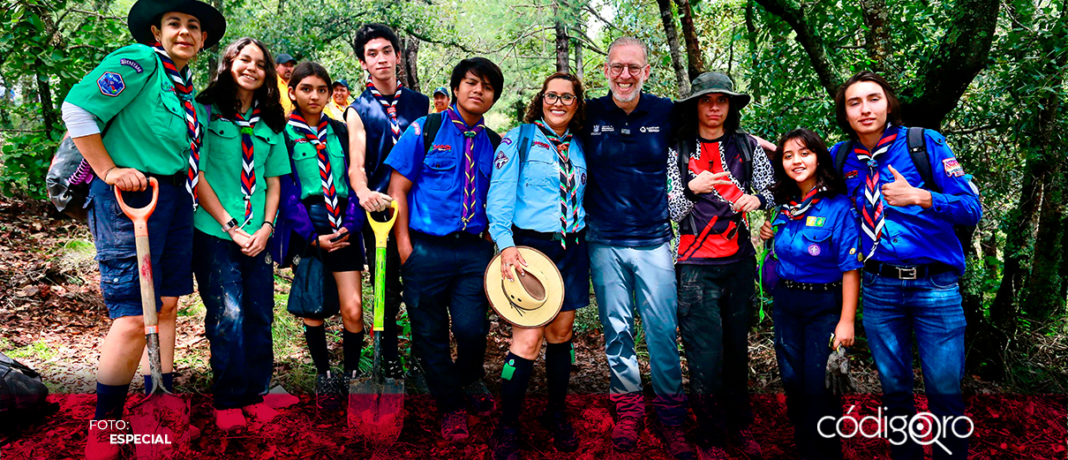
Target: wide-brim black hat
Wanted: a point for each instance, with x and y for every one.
(146, 13)
(715, 82)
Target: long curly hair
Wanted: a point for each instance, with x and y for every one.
(222, 89)
(785, 189)
(535, 111)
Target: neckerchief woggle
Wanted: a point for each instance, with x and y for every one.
(183, 87)
(795, 210)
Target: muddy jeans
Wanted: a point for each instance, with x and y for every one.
(714, 321)
(238, 292)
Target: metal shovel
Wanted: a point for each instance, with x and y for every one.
(376, 402)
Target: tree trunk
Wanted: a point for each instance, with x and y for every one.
(48, 111)
(668, 19)
(751, 36)
(578, 48)
(408, 73)
(1043, 294)
(877, 35)
(695, 63)
(213, 56)
(1020, 230)
(562, 41)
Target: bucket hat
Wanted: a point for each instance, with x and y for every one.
(715, 82)
(145, 14)
(532, 300)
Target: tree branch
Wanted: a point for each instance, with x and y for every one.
(877, 35)
(810, 40)
(598, 16)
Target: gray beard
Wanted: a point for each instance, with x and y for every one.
(634, 95)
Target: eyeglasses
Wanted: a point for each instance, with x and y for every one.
(617, 69)
(566, 98)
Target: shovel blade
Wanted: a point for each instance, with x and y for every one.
(376, 411)
(162, 422)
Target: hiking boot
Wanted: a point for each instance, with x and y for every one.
(744, 441)
(98, 446)
(557, 422)
(711, 453)
(504, 443)
(229, 419)
(479, 398)
(626, 433)
(674, 440)
(392, 369)
(454, 425)
(259, 413)
(327, 392)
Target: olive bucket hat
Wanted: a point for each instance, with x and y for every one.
(146, 13)
(715, 82)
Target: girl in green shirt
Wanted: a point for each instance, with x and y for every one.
(318, 210)
(239, 190)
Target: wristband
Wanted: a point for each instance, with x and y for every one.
(105, 178)
(268, 223)
(229, 225)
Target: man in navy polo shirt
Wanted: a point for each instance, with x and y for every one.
(376, 120)
(913, 258)
(444, 247)
(626, 137)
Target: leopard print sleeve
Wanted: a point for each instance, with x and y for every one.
(678, 205)
(763, 176)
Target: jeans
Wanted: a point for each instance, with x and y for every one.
(804, 322)
(641, 278)
(714, 320)
(930, 307)
(238, 292)
(443, 280)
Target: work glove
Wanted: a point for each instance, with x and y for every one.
(837, 377)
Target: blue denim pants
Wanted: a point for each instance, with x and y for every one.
(804, 323)
(626, 279)
(443, 280)
(930, 307)
(238, 292)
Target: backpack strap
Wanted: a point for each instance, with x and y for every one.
(840, 157)
(430, 129)
(917, 144)
(746, 146)
(526, 135)
(495, 139)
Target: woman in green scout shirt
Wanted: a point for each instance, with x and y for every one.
(239, 199)
(316, 209)
(142, 97)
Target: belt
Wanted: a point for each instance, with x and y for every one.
(312, 200)
(905, 272)
(554, 236)
(176, 179)
(461, 235)
(812, 286)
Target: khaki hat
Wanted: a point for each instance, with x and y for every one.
(532, 300)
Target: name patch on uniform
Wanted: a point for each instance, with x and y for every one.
(650, 129)
(110, 84)
(132, 64)
(814, 249)
(443, 147)
(851, 174)
(813, 221)
(500, 160)
(542, 145)
(953, 169)
(506, 141)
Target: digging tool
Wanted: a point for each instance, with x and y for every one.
(376, 402)
(159, 414)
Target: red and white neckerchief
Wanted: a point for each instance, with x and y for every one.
(872, 216)
(248, 163)
(183, 87)
(389, 107)
(795, 210)
(317, 138)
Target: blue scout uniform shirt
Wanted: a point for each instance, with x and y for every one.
(527, 193)
(913, 235)
(627, 156)
(435, 202)
(820, 246)
(379, 136)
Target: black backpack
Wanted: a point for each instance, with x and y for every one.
(741, 137)
(22, 394)
(433, 124)
(917, 147)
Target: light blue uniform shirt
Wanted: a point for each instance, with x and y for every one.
(526, 192)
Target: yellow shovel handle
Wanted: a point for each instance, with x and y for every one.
(382, 229)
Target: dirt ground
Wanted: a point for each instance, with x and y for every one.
(52, 319)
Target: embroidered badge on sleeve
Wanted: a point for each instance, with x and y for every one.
(110, 84)
(953, 169)
(131, 64)
(500, 160)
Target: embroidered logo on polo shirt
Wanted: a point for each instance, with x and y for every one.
(110, 84)
(500, 160)
(542, 145)
(953, 169)
(851, 174)
(607, 128)
(132, 64)
(443, 147)
(650, 129)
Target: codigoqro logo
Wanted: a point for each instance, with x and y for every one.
(923, 428)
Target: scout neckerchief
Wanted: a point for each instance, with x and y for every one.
(796, 210)
(248, 170)
(469, 162)
(568, 188)
(183, 87)
(317, 138)
(872, 216)
(389, 107)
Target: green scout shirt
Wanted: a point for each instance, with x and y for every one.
(222, 169)
(131, 90)
(306, 163)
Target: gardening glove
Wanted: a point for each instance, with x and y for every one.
(837, 377)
